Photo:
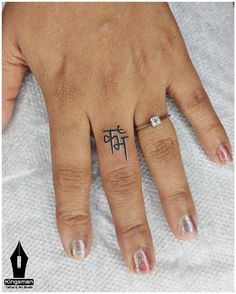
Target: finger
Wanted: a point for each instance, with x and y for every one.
(71, 162)
(122, 184)
(13, 71)
(161, 150)
(190, 96)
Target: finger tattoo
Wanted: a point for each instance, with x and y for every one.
(117, 139)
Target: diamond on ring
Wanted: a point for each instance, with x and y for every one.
(155, 121)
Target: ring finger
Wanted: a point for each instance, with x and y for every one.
(161, 150)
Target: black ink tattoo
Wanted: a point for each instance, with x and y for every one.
(116, 141)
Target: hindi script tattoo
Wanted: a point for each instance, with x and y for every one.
(117, 139)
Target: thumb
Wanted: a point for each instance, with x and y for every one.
(13, 71)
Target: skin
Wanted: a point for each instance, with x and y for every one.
(102, 65)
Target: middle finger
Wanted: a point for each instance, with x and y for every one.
(120, 171)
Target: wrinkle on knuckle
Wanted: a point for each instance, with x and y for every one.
(71, 178)
(215, 127)
(180, 197)
(64, 127)
(132, 228)
(195, 101)
(167, 39)
(161, 150)
(73, 217)
(121, 180)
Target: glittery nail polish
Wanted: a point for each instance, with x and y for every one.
(78, 247)
(223, 153)
(142, 260)
(187, 225)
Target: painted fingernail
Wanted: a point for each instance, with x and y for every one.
(78, 248)
(223, 153)
(188, 226)
(142, 260)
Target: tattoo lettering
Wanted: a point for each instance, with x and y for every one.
(117, 139)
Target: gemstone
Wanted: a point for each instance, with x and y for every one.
(155, 121)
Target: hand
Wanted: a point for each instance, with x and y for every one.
(103, 67)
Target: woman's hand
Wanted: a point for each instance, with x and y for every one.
(107, 67)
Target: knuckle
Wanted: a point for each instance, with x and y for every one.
(167, 40)
(106, 29)
(180, 197)
(132, 228)
(196, 100)
(121, 180)
(161, 150)
(72, 217)
(214, 126)
(71, 178)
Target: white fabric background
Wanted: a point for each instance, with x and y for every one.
(205, 264)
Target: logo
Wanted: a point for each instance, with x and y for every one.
(19, 261)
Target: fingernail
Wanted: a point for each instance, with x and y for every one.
(187, 225)
(142, 260)
(223, 153)
(78, 248)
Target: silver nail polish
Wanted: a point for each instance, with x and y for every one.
(187, 225)
(223, 154)
(142, 260)
(78, 248)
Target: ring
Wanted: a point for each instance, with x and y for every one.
(154, 121)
